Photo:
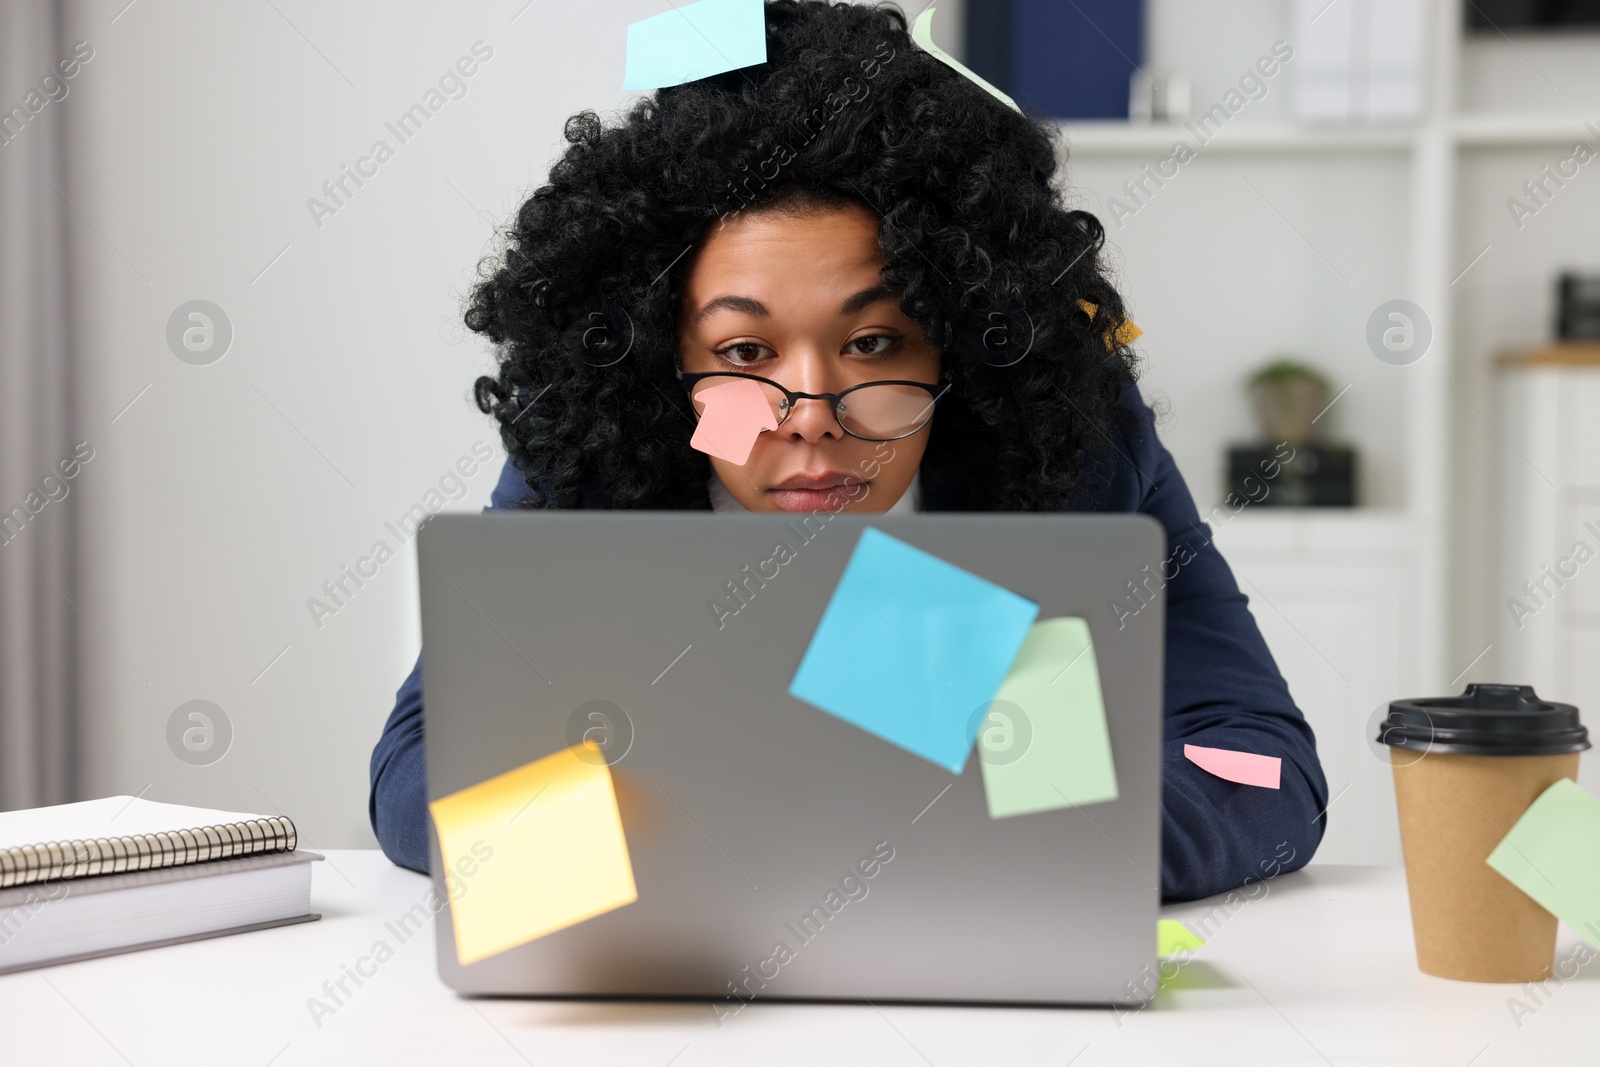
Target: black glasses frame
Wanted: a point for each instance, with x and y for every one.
(690, 379)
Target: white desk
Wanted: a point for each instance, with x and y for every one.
(1317, 970)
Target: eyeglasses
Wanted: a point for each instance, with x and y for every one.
(873, 411)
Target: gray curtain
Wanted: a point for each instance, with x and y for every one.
(38, 660)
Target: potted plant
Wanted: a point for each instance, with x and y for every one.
(1287, 396)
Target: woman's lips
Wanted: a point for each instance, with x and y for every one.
(814, 499)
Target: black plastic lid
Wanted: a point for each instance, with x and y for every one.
(1485, 720)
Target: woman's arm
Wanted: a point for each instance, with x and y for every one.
(398, 803)
(1222, 690)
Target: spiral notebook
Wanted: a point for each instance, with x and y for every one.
(123, 873)
(117, 834)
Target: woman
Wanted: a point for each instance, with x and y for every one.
(854, 211)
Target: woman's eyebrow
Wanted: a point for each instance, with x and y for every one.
(747, 305)
(744, 304)
(865, 299)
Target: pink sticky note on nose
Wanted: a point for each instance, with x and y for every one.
(1246, 768)
(735, 414)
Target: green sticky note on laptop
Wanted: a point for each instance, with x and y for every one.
(1553, 855)
(1044, 743)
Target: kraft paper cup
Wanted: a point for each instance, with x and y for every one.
(1465, 769)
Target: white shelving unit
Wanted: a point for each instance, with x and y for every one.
(1468, 130)
(1550, 552)
(1512, 130)
(1113, 138)
(1282, 237)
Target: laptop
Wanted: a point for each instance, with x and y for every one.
(755, 820)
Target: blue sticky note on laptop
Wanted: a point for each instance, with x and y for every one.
(910, 647)
(694, 41)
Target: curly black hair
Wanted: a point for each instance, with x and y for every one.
(581, 301)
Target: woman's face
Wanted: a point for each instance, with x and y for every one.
(796, 297)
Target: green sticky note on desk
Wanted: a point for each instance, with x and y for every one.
(1173, 937)
(1553, 855)
(1044, 743)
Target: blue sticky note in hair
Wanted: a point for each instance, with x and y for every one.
(694, 41)
(912, 648)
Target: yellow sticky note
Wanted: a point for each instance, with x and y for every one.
(1172, 937)
(1125, 333)
(558, 853)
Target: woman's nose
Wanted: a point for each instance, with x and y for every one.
(812, 418)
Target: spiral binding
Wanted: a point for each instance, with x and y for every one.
(24, 864)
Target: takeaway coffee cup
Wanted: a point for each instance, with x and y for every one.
(1465, 769)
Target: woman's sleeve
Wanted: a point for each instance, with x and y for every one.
(398, 803)
(1222, 690)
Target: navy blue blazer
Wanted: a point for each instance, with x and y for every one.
(1222, 690)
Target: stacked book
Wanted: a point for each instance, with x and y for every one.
(122, 873)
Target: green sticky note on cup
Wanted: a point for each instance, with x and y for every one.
(1553, 855)
(1043, 742)
(1173, 937)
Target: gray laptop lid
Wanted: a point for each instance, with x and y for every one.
(744, 808)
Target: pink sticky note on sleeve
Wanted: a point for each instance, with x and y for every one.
(734, 415)
(1246, 768)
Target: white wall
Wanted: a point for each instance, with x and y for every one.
(221, 500)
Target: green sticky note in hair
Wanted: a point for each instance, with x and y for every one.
(1173, 937)
(922, 34)
(694, 41)
(1553, 855)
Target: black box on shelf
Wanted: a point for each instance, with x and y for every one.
(1317, 476)
(1578, 314)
